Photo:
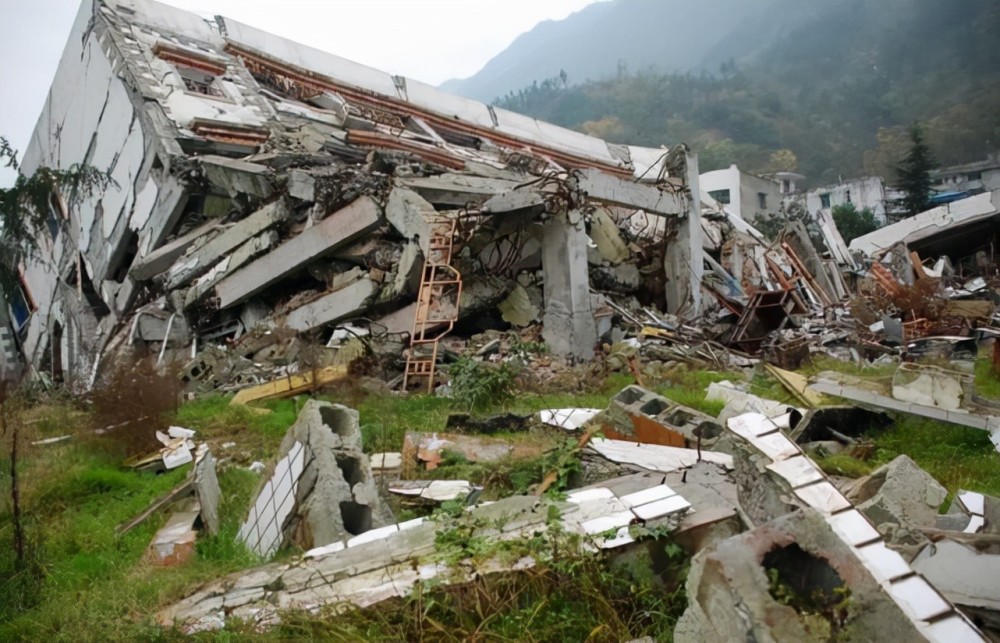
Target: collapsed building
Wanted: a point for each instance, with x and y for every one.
(262, 187)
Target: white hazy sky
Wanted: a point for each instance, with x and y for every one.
(428, 40)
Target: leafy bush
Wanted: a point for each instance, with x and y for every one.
(477, 385)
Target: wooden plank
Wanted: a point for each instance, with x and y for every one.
(918, 266)
(291, 385)
(797, 385)
(181, 490)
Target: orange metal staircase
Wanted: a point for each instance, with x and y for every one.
(437, 304)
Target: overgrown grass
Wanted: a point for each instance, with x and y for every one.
(987, 383)
(687, 387)
(958, 457)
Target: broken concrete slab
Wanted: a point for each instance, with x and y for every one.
(206, 489)
(236, 176)
(927, 385)
(967, 577)
(173, 544)
(435, 491)
(426, 450)
(899, 492)
(655, 457)
(163, 257)
(332, 307)
(410, 215)
(338, 229)
(301, 185)
(202, 259)
(810, 560)
(604, 231)
(457, 190)
(229, 264)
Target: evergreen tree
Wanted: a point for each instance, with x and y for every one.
(913, 175)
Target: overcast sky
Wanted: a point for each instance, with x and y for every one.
(428, 40)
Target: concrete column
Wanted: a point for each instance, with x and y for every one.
(683, 263)
(569, 320)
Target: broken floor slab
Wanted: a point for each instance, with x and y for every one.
(827, 383)
(966, 576)
(203, 258)
(389, 561)
(340, 228)
(236, 176)
(333, 307)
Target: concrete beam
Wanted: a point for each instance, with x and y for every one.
(236, 176)
(408, 213)
(612, 190)
(332, 307)
(230, 264)
(199, 262)
(343, 226)
(457, 189)
(163, 257)
(569, 328)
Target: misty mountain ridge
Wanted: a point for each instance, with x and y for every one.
(836, 83)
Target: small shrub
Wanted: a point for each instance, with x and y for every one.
(478, 385)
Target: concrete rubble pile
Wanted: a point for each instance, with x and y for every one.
(803, 556)
(279, 210)
(268, 193)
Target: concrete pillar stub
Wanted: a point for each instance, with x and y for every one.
(569, 328)
(683, 263)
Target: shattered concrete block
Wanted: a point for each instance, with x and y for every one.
(810, 561)
(408, 213)
(338, 229)
(236, 176)
(332, 307)
(201, 260)
(206, 489)
(406, 277)
(337, 497)
(966, 576)
(643, 416)
(301, 185)
(899, 492)
(152, 327)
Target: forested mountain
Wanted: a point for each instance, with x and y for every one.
(836, 82)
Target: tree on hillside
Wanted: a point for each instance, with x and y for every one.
(913, 175)
(853, 223)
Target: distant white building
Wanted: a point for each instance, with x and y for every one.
(746, 195)
(868, 192)
(981, 176)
